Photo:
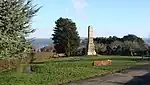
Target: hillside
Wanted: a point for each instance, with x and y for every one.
(147, 40)
(41, 42)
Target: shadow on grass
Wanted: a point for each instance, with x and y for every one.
(98, 59)
(141, 67)
(38, 62)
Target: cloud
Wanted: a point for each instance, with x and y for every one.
(80, 6)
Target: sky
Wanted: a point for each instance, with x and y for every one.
(107, 17)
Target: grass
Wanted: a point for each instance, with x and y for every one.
(63, 70)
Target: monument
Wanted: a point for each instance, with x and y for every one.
(90, 46)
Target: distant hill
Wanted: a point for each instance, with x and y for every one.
(42, 42)
(147, 40)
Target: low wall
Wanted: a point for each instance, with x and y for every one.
(43, 55)
(6, 65)
(40, 56)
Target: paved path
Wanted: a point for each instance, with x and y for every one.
(134, 76)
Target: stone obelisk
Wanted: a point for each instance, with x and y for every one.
(91, 46)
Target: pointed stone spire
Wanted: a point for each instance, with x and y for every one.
(91, 46)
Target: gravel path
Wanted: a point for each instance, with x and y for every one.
(139, 75)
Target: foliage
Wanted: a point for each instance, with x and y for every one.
(64, 70)
(15, 22)
(131, 37)
(128, 45)
(49, 48)
(100, 48)
(65, 37)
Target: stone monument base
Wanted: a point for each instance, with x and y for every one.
(91, 53)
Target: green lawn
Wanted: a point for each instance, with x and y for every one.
(63, 70)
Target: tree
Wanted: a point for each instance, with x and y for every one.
(100, 48)
(49, 48)
(116, 46)
(65, 37)
(131, 37)
(131, 46)
(127, 45)
(15, 26)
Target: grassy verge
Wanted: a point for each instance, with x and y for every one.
(63, 70)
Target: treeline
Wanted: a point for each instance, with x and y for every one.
(129, 45)
(66, 40)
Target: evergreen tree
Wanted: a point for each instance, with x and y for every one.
(15, 26)
(65, 37)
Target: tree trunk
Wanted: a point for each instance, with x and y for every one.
(67, 49)
(131, 53)
(143, 55)
(24, 66)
